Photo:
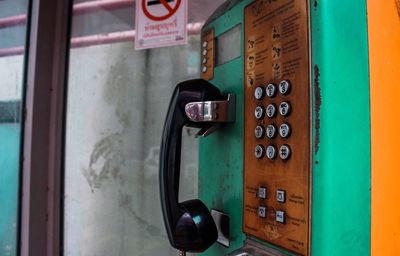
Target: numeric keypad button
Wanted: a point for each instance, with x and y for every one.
(262, 212)
(271, 110)
(284, 108)
(280, 217)
(271, 152)
(271, 131)
(259, 151)
(262, 192)
(285, 130)
(284, 87)
(259, 93)
(259, 132)
(271, 90)
(259, 112)
(284, 152)
(280, 196)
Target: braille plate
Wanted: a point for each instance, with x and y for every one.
(276, 49)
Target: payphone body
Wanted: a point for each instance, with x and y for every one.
(329, 212)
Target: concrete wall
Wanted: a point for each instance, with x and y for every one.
(117, 100)
(11, 76)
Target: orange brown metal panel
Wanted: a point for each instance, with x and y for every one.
(276, 49)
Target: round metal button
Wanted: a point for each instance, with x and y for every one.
(259, 152)
(271, 90)
(284, 108)
(271, 110)
(205, 52)
(284, 87)
(271, 131)
(204, 69)
(259, 112)
(259, 132)
(284, 152)
(205, 60)
(205, 44)
(259, 93)
(271, 152)
(284, 130)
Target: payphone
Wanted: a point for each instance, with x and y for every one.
(290, 165)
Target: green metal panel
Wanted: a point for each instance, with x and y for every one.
(9, 180)
(341, 121)
(221, 154)
(341, 132)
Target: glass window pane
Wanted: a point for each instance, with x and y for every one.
(117, 100)
(12, 44)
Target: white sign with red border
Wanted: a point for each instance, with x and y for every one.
(160, 23)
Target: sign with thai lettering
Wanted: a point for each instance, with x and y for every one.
(160, 23)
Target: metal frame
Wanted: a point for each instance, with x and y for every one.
(45, 78)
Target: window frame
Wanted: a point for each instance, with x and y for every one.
(46, 64)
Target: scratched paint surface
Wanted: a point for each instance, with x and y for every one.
(341, 117)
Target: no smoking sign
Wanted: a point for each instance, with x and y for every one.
(160, 23)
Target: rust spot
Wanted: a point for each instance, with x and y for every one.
(317, 107)
(398, 6)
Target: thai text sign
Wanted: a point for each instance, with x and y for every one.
(160, 23)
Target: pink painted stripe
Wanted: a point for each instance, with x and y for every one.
(103, 39)
(12, 21)
(79, 9)
(101, 5)
(11, 51)
(115, 37)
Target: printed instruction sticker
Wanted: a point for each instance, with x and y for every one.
(160, 23)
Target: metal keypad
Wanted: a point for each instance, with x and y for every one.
(284, 130)
(271, 152)
(259, 93)
(284, 152)
(284, 108)
(271, 131)
(259, 151)
(284, 87)
(259, 112)
(271, 90)
(271, 110)
(259, 132)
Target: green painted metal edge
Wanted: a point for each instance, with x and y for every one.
(341, 121)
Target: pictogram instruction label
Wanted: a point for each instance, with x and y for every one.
(160, 23)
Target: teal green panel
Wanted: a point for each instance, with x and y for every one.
(221, 153)
(341, 136)
(9, 181)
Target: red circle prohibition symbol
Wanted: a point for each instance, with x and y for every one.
(170, 10)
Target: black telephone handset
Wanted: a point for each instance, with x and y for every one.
(190, 226)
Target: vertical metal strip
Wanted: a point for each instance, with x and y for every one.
(341, 116)
(42, 147)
